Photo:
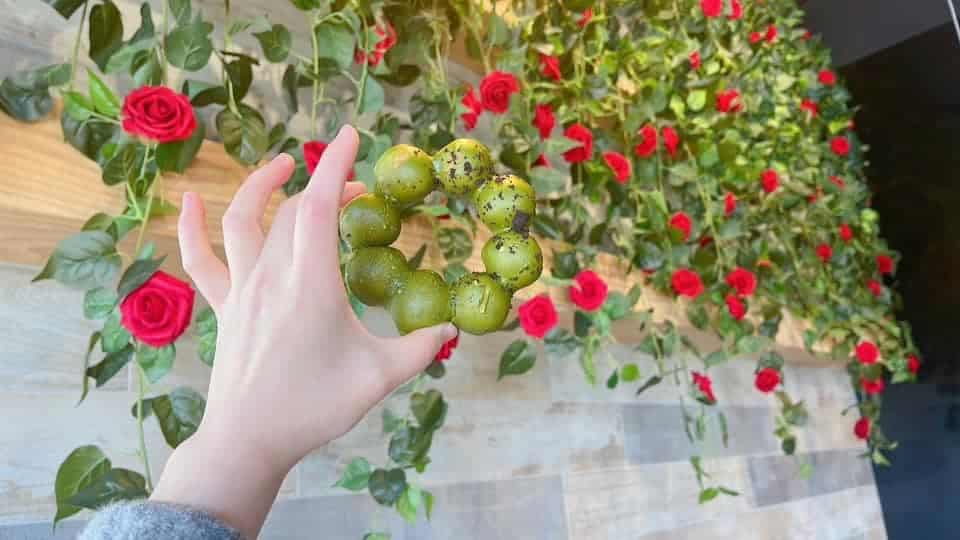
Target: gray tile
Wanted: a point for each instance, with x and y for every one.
(655, 433)
(42, 530)
(522, 509)
(775, 479)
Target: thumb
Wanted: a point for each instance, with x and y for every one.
(415, 351)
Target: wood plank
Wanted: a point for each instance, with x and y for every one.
(50, 189)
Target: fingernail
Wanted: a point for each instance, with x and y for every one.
(450, 331)
(283, 156)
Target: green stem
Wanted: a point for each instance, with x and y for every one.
(163, 44)
(76, 46)
(362, 87)
(227, 45)
(316, 82)
(141, 389)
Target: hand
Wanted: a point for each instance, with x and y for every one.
(294, 367)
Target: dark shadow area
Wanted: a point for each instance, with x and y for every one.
(910, 116)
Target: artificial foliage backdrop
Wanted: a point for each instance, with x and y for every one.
(706, 144)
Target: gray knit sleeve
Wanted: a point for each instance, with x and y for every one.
(145, 520)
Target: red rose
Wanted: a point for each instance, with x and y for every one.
(729, 101)
(579, 133)
(771, 35)
(913, 364)
(447, 349)
(736, 10)
(770, 180)
(388, 38)
(620, 165)
(875, 287)
(755, 37)
(474, 108)
(810, 106)
(469, 120)
(846, 233)
(806, 36)
(862, 428)
(743, 281)
(827, 78)
(825, 252)
(729, 204)
(837, 181)
(872, 388)
(496, 89)
(541, 161)
(705, 386)
(590, 291)
(767, 379)
(711, 8)
(537, 316)
(544, 120)
(814, 197)
(687, 283)
(550, 67)
(840, 146)
(736, 307)
(312, 151)
(884, 264)
(681, 222)
(867, 353)
(159, 114)
(695, 60)
(585, 18)
(158, 312)
(671, 140)
(648, 142)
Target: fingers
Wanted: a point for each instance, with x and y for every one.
(351, 190)
(242, 230)
(200, 262)
(315, 242)
(412, 353)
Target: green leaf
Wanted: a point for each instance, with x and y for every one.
(373, 535)
(81, 468)
(428, 504)
(177, 156)
(697, 315)
(561, 342)
(386, 487)
(104, 100)
(105, 31)
(547, 181)
(708, 494)
(111, 364)
(125, 165)
(581, 324)
(189, 46)
(414, 262)
(156, 361)
(588, 366)
(85, 383)
(203, 93)
(206, 329)
(77, 105)
(335, 40)
(115, 336)
(116, 485)
(455, 244)
(629, 372)
(696, 100)
(137, 274)
(275, 42)
(650, 383)
(307, 5)
(409, 445)
(391, 421)
(181, 11)
(409, 503)
(517, 359)
(805, 472)
(240, 73)
(716, 358)
(144, 34)
(65, 8)
(613, 380)
(429, 409)
(290, 85)
(122, 58)
(789, 445)
(179, 414)
(146, 68)
(402, 75)
(86, 259)
(98, 303)
(245, 136)
(371, 97)
(751, 344)
(356, 476)
(25, 95)
(87, 137)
